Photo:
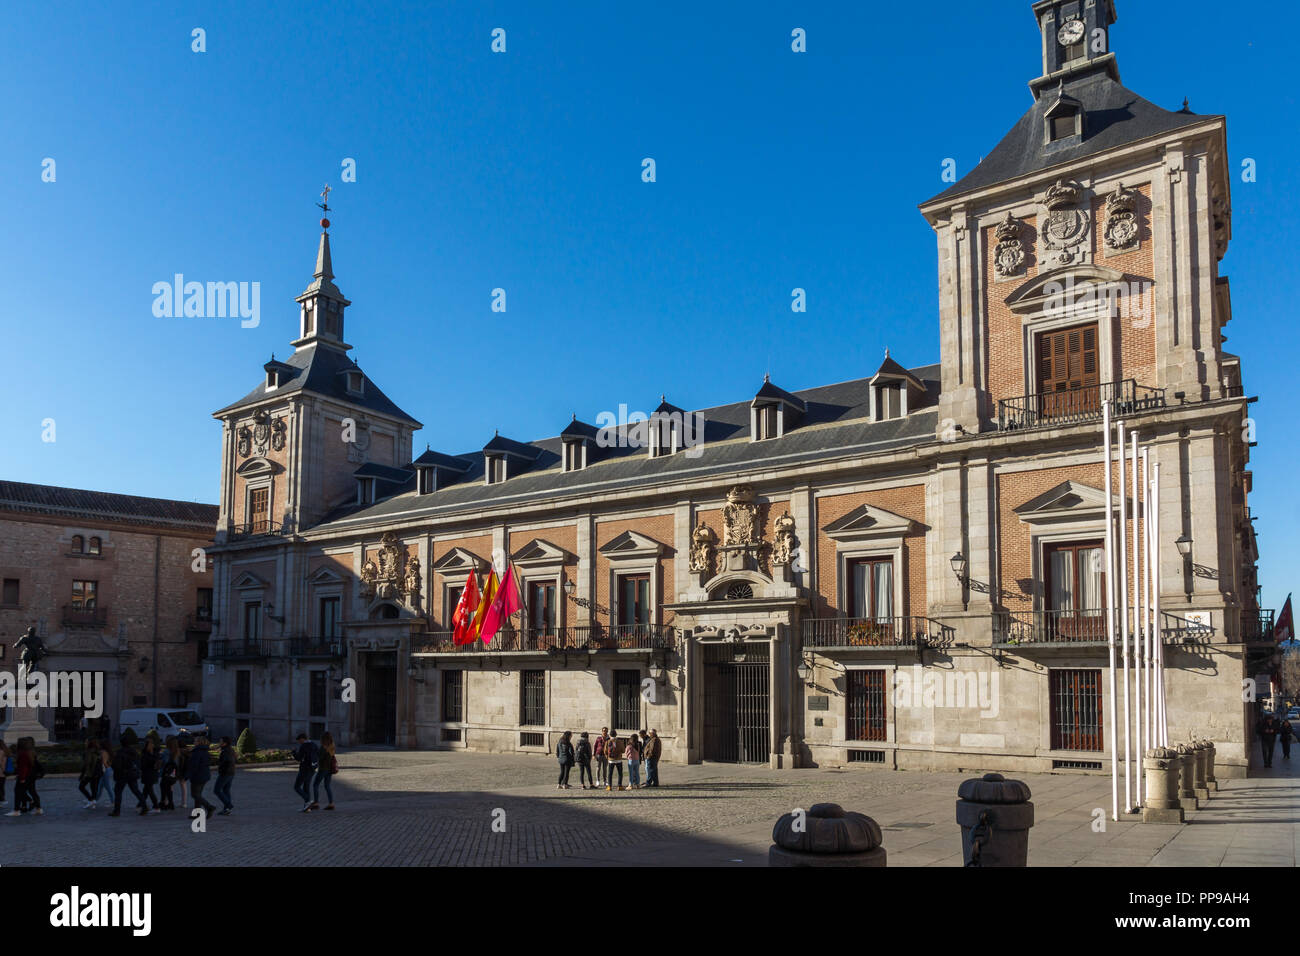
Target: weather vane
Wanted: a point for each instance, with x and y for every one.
(325, 195)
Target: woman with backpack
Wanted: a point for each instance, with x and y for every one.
(614, 754)
(602, 764)
(633, 762)
(91, 770)
(327, 768)
(171, 770)
(582, 754)
(564, 753)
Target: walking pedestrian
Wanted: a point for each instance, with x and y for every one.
(1285, 733)
(653, 750)
(307, 755)
(183, 772)
(614, 753)
(92, 769)
(126, 775)
(564, 753)
(329, 766)
(602, 763)
(582, 753)
(226, 761)
(28, 769)
(6, 768)
(171, 770)
(633, 762)
(105, 791)
(1267, 732)
(200, 772)
(149, 776)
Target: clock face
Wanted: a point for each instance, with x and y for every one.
(1071, 32)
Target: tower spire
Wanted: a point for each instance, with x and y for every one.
(322, 302)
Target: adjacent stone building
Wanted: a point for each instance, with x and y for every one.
(111, 583)
(898, 571)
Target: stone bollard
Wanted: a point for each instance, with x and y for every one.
(826, 836)
(995, 816)
(1202, 761)
(1187, 777)
(1211, 750)
(1163, 767)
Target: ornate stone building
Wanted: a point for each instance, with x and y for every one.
(111, 584)
(898, 570)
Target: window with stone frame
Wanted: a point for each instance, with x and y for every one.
(1076, 718)
(330, 622)
(85, 594)
(252, 622)
(9, 597)
(453, 696)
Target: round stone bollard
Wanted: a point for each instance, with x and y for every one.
(1163, 767)
(1187, 777)
(995, 816)
(826, 835)
(1202, 763)
(1211, 750)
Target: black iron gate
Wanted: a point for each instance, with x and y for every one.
(380, 699)
(736, 704)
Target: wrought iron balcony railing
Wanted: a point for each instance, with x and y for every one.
(253, 529)
(1012, 628)
(877, 632)
(324, 647)
(1257, 627)
(1076, 405)
(79, 615)
(584, 638)
(241, 650)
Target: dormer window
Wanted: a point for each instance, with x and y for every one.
(1064, 118)
(767, 422)
(1063, 125)
(365, 491)
(356, 383)
(428, 480)
(575, 455)
(889, 401)
(272, 379)
(895, 391)
(495, 468)
(664, 436)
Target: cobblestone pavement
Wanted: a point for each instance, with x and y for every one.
(406, 808)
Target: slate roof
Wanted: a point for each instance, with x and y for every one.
(320, 369)
(1113, 116)
(105, 506)
(835, 424)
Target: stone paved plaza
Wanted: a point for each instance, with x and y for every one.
(436, 808)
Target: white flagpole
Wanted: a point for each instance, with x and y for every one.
(1123, 612)
(1158, 675)
(1110, 614)
(1138, 625)
(1147, 623)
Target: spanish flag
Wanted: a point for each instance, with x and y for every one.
(485, 601)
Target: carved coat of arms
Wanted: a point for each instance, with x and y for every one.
(783, 543)
(1121, 230)
(1009, 254)
(1065, 227)
(390, 575)
(740, 517)
(703, 547)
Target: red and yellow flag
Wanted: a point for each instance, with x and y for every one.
(507, 602)
(484, 602)
(462, 621)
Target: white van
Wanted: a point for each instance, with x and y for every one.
(180, 722)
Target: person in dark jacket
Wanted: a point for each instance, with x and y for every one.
(171, 770)
(328, 762)
(200, 772)
(582, 753)
(225, 776)
(654, 747)
(126, 774)
(614, 753)
(1284, 733)
(5, 759)
(149, 776)
(1267, 733)
(91, 770)
(564, 753)
(307, 755)
(602, 764)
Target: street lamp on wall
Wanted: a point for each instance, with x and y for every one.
(1184, 546)
(959, 565)
(570, 587)
(804, 672)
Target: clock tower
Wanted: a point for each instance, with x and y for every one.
(1076, 39)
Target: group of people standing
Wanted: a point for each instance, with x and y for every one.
(108, 774)
(1270, 730)
(609, 751)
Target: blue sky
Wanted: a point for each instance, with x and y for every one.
(522, 171)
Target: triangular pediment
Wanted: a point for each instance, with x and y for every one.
(1070, 286)
(632, 544)
(868, 521)
(258, 466)
(539, 551)
(459, 561)
(325, 575)
(1068, 501)
(248, 580)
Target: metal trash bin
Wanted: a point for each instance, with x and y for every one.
(995, 816)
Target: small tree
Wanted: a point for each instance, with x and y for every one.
(247, 743)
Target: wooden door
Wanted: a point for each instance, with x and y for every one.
(1068, 369)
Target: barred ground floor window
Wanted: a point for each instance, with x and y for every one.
(865, 706)
(532, 698)
(1076, 709)
(453, 696)
(627, 700)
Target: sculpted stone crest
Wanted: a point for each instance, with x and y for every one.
(1121, 230)
(783, 540)
(261, 432)
(740, 517)
(278, 432)
(390, 575)
(1009, 255)
(1066, 227)
(703, 549)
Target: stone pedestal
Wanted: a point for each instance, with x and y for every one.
(1210, 782)
(995, 816)
(826, 835)
(1202, 760)
(1162, 767)
(24, 721)
(1187, 778)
